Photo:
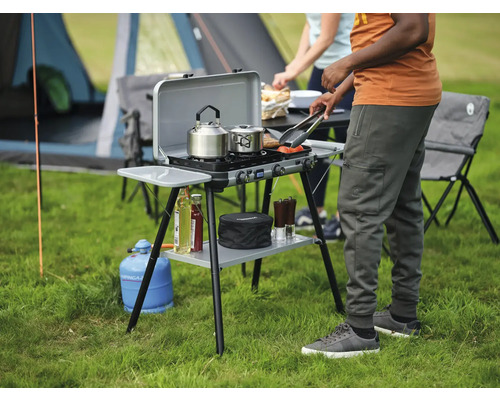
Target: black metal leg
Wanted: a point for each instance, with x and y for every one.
(482, 213)
(155, 253)
(124, 184)
(429, 208)
(156, 190)
(323, 246)
(243, 208)
(438, 206)
(257, 196)
(214, 265)
(265, 210)
(452, 213)
(146, 199)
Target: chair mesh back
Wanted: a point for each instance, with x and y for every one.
(458, 120)
(132, 91)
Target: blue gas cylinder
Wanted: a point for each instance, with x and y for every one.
(160, 293)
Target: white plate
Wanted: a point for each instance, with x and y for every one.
(303, 98)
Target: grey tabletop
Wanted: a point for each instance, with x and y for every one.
(295, 116)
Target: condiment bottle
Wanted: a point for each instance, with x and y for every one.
(290, 218)
(279, 220)
(196, 224)
(182, 223)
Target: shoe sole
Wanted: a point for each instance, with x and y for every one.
(393, 333)
(345, 354)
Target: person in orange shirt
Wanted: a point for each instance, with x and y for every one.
(397, 89)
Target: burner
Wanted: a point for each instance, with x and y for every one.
(247, 155)
(209, 160)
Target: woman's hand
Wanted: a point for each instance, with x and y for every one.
(281, 79)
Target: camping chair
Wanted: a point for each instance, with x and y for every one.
(135, 102)
(455, 131)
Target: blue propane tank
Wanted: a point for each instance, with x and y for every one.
(160, 293)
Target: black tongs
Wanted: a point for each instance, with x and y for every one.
(295, 136)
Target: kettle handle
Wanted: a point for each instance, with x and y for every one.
(217, 115)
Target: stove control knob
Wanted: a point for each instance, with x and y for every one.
(242, 177)
(278, 170)
(308, 164)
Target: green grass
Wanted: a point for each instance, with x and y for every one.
(67, 328)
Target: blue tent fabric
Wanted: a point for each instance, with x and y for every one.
(69, 140)
(54, 49)
(87, 135)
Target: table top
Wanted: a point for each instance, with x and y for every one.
(295, 116)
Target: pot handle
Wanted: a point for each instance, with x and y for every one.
(198, 115)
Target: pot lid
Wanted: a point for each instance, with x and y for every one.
(244, 129)
(208, 128)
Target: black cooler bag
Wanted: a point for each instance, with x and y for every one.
(250, 230)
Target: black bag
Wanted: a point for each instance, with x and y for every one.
(250, 230)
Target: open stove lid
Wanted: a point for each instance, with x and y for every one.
(175, 103)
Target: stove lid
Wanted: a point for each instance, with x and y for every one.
(176, 102)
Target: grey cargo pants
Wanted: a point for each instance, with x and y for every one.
(380, 184)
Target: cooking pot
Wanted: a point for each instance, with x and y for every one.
(245, 138)
(207, 140)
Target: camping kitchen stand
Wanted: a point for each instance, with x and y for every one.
(178, 171)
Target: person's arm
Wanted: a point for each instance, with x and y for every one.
(307, 55)
(330, 100)
(408, 32)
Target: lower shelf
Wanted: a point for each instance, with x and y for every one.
(229, 257)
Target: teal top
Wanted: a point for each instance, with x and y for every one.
(341, 46)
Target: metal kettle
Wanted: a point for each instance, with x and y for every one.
(207, 140)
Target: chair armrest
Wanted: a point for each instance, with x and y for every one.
(449, 148)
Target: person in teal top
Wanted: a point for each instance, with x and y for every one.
(325, 39)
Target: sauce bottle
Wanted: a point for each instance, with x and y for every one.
(182, 226)
(196, 224)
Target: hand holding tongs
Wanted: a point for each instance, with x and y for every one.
(299, 135)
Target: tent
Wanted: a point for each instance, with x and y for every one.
(79, 126)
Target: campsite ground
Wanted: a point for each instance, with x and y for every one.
(67, 328)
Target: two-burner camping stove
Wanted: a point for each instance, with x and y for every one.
(237, 96)
(236, 169)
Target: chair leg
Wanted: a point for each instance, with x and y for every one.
(452, 213)
(428, 205)
(482, 213)
(156, 190)
(438, 206)
(124, 184)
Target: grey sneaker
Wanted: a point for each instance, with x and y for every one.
(384, 323)
(342, 343)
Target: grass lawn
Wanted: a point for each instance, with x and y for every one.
(67, 328)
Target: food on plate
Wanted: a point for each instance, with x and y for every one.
(270, 142)
(286, 149)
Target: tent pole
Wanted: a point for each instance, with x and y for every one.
(38, 172)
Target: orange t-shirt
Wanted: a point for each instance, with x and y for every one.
(411, 80)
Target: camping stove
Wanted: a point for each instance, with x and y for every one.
(236, 169)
